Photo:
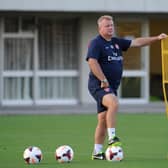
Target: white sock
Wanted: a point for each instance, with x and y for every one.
(98, 148)
(111, 132)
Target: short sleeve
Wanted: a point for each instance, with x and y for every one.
(124, 44)
(93, 50)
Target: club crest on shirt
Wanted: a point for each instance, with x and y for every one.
(117, 46)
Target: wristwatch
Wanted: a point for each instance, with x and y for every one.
(104, 80)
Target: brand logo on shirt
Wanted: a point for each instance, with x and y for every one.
(112, 46)
(114, 58)
(113, 49)
(115, 54)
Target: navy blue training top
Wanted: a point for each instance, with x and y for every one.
(109, 56)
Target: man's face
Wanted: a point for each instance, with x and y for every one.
(106, 28)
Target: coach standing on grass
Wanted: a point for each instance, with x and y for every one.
(106, 65)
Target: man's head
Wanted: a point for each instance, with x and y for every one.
(106, 26)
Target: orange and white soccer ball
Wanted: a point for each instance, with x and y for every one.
(64, 154)
(114, 153)
(32, 155)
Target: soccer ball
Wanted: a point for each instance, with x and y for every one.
(32, 155)
(114, 153)
(64, 154)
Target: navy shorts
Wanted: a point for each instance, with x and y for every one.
(97, 92)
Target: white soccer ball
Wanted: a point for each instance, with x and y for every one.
(32, 155)
(64, 154)
(114, 153)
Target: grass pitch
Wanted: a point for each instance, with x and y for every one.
(144, 138)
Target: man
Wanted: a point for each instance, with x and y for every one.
(105, 61)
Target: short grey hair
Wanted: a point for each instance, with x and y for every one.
(104, 17)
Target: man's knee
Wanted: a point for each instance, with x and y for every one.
(102, 118)
(110, 101)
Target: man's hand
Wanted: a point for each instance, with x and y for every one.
(162, 36)
(104, 83)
